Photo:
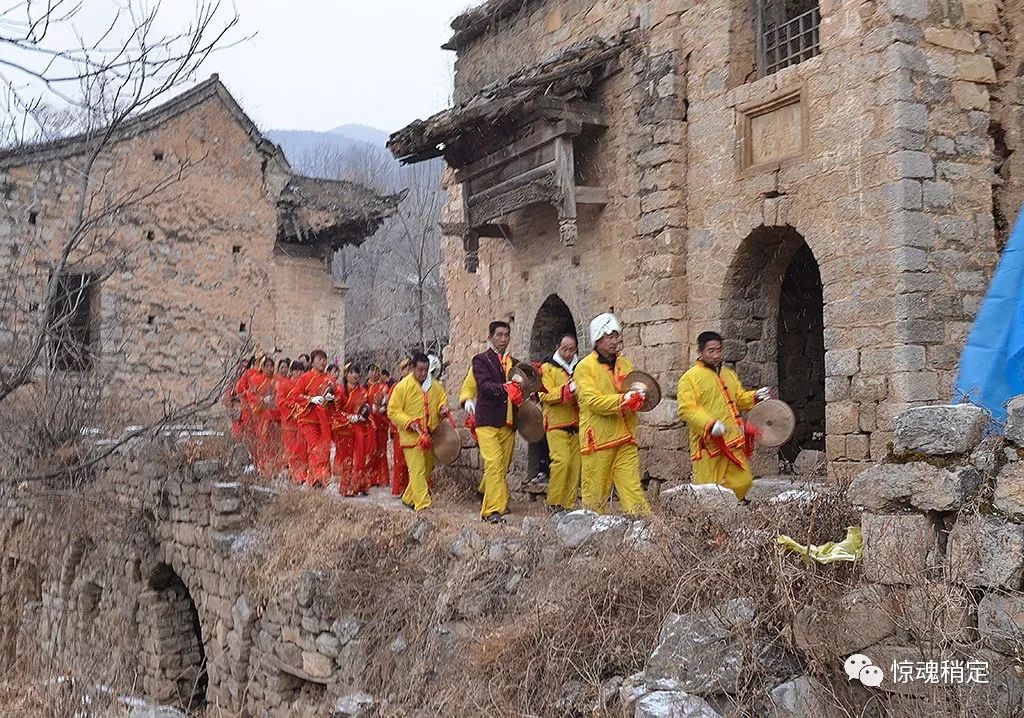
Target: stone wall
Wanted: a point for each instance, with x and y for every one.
(877, 155)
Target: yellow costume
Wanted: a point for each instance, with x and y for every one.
(468, 390)
(561, 424)
(608, 437)
(706, 396)
(407, 405)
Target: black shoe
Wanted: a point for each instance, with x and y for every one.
(494, 518)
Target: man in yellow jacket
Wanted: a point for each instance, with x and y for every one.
(711, 402)
(561, 424)
(608, 423)
(416, 407)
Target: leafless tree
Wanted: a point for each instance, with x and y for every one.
(396, 300)
(58, 79)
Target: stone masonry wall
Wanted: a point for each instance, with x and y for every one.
(891, 189)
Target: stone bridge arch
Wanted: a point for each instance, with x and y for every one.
(174, 664)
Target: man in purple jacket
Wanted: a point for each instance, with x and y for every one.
(496, 396)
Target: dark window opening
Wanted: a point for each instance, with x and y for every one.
(73, 322)
(150, 319)
(158, 155)
(242, 328)
(150, 235)
(32, 217)
(236, 249)
(787, 33)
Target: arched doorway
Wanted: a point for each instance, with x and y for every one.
(774, 327)
(553, 320)
(176, 667)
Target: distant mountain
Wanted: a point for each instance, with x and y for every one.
(362, 133)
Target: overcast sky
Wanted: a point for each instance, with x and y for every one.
(317, 64)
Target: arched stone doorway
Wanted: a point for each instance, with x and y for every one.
(774, 327)
(553, 320)
(175, 657)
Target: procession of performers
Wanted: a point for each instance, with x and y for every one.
(321, 423)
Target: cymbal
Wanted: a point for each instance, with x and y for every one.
(639, 380)
(447, 443)
(530, 421)
(774, 420)
(529, 377)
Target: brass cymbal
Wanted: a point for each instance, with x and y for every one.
(447, 443)
(774, 421)
(639, 380)
(530, 421)
(528, 377)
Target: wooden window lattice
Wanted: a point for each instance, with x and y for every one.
(790, 42)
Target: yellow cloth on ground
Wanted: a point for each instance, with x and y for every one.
(706, 396)
(618, 467)
(496, 444)
(421, 465)
(409, 403)
(849, 549)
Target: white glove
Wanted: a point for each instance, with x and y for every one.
(763, 394)
(268, 400)
(634, 392)
(718, 429)
(318, 400)
(470, 406)
(354, 418)
(572, 386)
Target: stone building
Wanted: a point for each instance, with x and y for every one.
(827, 183)
(197, 238)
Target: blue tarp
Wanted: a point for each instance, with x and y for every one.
(992, 363)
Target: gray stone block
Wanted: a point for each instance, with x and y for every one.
(986, 551)
(702, 652)
(900, 548)
(802, 697)
(939, 430)
(864, 616)
(893, 486)
(1009, 494)
(1014, 431)
(1001, 622)
(673, 704)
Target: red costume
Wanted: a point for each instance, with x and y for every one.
(351, 440)
(294, 446)
(257, 403)
(377, 460)
(240, 425)
(313, 424)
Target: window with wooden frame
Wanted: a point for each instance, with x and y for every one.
(73, 323)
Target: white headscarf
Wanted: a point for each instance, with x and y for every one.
(435, 368)
(603, 325)
(568, 366)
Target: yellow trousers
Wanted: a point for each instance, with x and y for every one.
(719, 470)
(496, 446)
(620, 467)
(421, 464)
(564, 481)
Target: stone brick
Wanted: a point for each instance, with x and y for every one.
(937, 613)
(842, 362)
(896, 486)
(882, 360)
(1014, 430)
(899, 548)
(954, 39)
(1009, 493)
(975, 68)
(914, 165)
(914, 386)
(863, 616)
(986, 552)
(841, 418)
(939, 430)
(1001, 622)
(912, 9)
(937, 195)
